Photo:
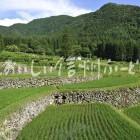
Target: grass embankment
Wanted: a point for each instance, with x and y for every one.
(77, 122)
(105, 83)
(13, 99)
(133, 113)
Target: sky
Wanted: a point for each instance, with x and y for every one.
(24, 11)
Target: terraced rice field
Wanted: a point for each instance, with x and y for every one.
(81, 122)
(11, 99)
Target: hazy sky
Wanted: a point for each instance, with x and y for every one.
(23, 11)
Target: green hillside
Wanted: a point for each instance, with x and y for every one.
(110, 33)
(43, 26)
(109, 18)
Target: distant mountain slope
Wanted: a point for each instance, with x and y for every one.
(43, 26)
(112, 19)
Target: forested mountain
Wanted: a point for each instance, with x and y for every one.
(109, 17)
(113, 31)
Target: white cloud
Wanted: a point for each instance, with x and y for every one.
(42, 8)
(9, 22)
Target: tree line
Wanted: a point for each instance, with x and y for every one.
(69, 45)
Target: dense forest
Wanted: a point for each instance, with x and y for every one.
(112, 32)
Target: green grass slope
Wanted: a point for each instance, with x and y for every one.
(107, 82)
(133, 113)
(80, 122)
(12, 99)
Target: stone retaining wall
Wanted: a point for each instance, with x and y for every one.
(118, 98)
(39, 82)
